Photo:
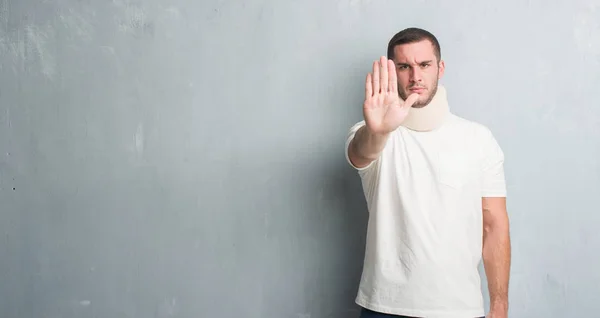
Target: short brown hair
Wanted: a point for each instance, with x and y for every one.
(412, 35)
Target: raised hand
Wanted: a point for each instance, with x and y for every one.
(383, 108)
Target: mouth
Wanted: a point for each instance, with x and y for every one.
(417, 90)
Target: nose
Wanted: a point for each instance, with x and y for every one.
(416, 75)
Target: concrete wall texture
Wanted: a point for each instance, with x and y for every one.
(185, 158)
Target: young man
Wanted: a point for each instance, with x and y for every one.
(435, 190)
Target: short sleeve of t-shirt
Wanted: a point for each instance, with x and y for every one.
(368, 174)
(494, 184)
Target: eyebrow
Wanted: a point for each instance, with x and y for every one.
(423, 62)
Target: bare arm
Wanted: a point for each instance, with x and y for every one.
(496, 253)
(366, 147)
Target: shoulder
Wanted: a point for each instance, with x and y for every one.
(480, 140)
(471, 130)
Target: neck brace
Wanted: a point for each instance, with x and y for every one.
(431, 116)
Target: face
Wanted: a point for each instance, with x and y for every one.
(418, 71)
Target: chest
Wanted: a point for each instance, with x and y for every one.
(445, 161)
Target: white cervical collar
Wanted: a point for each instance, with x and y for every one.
(430, 116)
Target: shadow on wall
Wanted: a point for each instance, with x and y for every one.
(344, 202)
(341, 212)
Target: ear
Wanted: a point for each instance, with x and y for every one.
(442, 67)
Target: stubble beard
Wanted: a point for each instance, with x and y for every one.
(432, 92)
(419, 103)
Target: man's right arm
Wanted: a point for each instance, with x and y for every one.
(383, 111)
(366, 147)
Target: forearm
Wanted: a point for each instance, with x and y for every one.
(496, 258)
(366, 146)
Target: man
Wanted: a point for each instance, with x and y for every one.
(435, 191)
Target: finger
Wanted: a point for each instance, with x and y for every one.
(375, 77)
(393, 86)
(411, 100)
(369, 86)
(384, 82)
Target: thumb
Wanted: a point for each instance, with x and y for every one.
(411, 100)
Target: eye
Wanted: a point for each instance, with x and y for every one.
(424, 65)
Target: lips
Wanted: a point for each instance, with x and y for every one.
(417, 89)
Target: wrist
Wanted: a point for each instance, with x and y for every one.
(500, 306)
(376, 134)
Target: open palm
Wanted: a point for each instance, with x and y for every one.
(383, 108)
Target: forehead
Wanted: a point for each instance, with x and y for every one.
(414, 52)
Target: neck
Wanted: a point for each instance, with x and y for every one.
(430, 116)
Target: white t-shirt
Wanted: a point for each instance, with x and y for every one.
(425, 230)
